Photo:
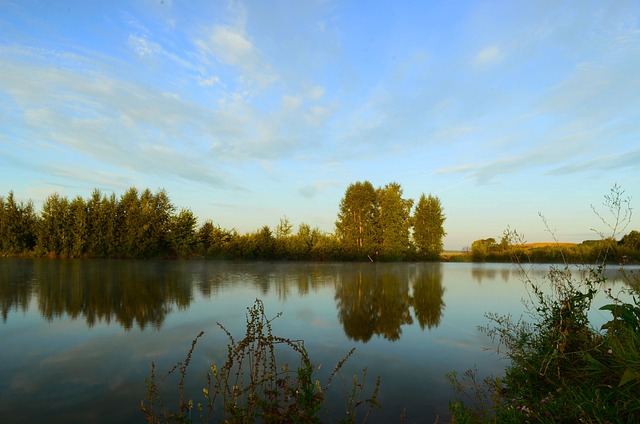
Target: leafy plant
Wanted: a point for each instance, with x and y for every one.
(561, 369)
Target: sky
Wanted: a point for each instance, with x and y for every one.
(249, 111)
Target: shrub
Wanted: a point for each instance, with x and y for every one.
(561, 369)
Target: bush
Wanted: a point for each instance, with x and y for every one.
(561, 368)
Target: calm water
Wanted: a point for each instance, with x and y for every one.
(78, 336)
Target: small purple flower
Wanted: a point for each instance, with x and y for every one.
(545, 400)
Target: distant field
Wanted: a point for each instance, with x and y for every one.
(454, 252)
(548, 244)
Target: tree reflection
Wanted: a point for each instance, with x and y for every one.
(428, 304)
(15, 286)
(127, 292)
(375, 299)
(371, 299)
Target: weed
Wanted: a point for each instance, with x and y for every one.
(251, 386)
(561, 369)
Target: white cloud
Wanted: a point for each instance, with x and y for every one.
(232, 47)
(142, 47)
(488, 56)
(209, 82)
(316, 92)
(291, 102)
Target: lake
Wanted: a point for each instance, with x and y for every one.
(78, 336)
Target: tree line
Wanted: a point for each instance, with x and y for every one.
(372, 224)
(625, 250)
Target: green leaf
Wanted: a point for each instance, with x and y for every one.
(629, 375)
(610, 307)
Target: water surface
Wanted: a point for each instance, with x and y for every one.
(78, 336)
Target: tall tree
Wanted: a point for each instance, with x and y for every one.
(102, 225)
(356, 225)
(77, 227)
(17, 225)
(129, 223)
(394, 221)
(428, 227)
(53, 229)
(144, 223)
(182, 233)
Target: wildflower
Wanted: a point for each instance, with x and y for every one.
(609, 351)
(544, 400)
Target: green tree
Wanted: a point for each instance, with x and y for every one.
(481, 249)
(53, 233)
(356, 227)
(214, 241)
(156, 212)
(204, 237)
(143, 220)
(428, 227)
(102, 225)
(631, 240)
(283, 229)
(17, 225)
(129, 223)
(182, 233)
(394, 221)
(78, 227)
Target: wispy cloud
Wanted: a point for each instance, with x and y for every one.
(628, 160)
(311, 190)
(232, 46)
(488, 56)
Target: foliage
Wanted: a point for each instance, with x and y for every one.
(587, 252)
(561, 369)
(182, 233)
(17, 226)
(372, 224)
(394, 221)
(428, 227)
(357, 217)
(252, 386)
(481, 249)
(377, 224)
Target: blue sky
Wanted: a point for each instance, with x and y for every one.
(249, 111)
